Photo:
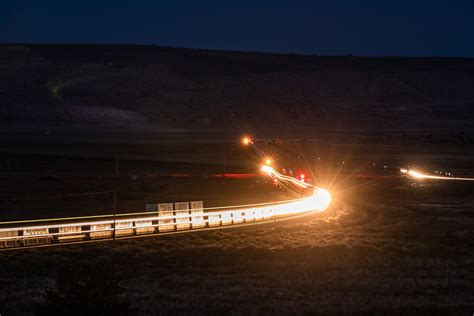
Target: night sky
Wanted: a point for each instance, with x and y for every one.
(368, 28)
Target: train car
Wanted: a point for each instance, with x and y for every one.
(99, 231)
(237, 217)
(267, 213)
(166, 224)
(36, 236)
(12, 242)
(226, 218)
(144, 227)
(182, 215)
(249, 215)
(197, 214)
(258, 214)
(213, 220)
(70, 233)
(124, 229)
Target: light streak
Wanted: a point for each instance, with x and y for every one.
(419, 175)
(89, 228)
(274, 174)
(79, 229)
(321, 197)
(129, 224)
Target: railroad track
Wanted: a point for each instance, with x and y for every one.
(168, 219)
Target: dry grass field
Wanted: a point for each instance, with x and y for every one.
(388, 245)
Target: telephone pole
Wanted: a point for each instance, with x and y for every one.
(116, 166)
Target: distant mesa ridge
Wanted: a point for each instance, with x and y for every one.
(154, 87)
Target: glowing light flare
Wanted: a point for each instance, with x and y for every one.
(322, 199)
(302, 178)
(318, 202)
(246, 141)
(419, 175)
(267, 169)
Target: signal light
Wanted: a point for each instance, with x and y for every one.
(247, 141)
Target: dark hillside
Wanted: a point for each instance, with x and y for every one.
(152, 87)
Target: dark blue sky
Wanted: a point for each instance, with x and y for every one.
(375, 28)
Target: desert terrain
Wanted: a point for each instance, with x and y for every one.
(170, 120)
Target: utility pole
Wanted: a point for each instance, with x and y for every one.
(226, 152)
(116, 166)
(115, 211)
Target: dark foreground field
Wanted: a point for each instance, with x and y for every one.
(387, 258)
(388, 245)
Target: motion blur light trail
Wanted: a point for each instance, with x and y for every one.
(274, 174)
(50, 232)
(419, 175)
(321, 197)
(54, 231)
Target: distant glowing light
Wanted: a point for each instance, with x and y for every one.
(267, 169)
(419, 175)
(268, 162)
(246, 141)
(416, 174)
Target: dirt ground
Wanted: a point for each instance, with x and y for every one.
(388, 245)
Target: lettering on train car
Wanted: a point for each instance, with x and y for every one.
(36, 236)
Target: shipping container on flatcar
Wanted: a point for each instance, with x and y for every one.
(123, 229)
(197, 214)
(101, 231)
(214, 220)
(182, 215)
(36, 236)
(166, 210)
(70, 233)
(249, 215)
(226, 218)
(12, 242)
(267, 212)
(237, 217)
(258, 214)
(144, 227)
